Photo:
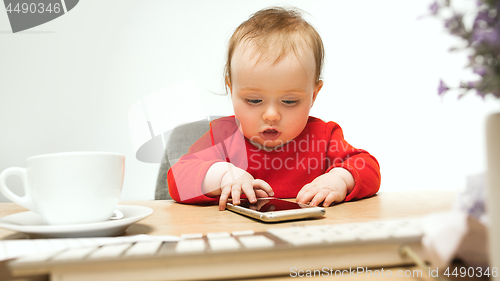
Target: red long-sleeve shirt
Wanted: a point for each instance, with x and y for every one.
(318, 149)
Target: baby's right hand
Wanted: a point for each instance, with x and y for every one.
(245, 182)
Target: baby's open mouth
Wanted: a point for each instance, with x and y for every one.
(270, 134)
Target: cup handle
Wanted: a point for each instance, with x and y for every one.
(25, 201)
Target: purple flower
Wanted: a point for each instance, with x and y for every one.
(442, 87)
(482, 42)
(481, 94)
(489, 36)
(468, 85)
(481, 70)
(483, 16)
(455, 24)
(496, 93)
(434, 8)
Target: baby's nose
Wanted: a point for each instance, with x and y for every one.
(271, 114)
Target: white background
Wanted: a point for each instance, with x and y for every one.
(68, 85)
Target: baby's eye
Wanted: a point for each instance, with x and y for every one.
(253, 101)
(289, 102)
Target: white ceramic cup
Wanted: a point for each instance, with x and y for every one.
(71, 187)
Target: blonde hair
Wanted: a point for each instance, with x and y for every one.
(275, 32)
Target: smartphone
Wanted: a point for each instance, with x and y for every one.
(273, 210)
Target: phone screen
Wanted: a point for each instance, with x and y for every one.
(270, 205)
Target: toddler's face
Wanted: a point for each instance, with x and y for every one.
(272, 101)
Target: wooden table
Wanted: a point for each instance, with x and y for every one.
(170, 218)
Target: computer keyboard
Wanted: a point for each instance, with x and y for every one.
(239, 254)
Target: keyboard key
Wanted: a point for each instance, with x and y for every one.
(285, 230)
(38, 257)
(218, 235)
(340, 239)
(408, 233)
(146, 248)
(17, 248)
(375, 235)
(3, 252)
(109, 251)
(42, 245)
(319, 227)
(256, 241)
(299, 240)
(58, 244)
(73, 243)
(190, 246)
(191, 235)
(99, 241)
(223, 244)
(88, 242)
(74, 254)
(243, 232)
(318, 234)
(310, 240)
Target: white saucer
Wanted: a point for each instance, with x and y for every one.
(33, 224)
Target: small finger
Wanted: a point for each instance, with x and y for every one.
(261, 193)
(264, 186)
(319, 197)
(235, 194)
(332, 197)
(249, 192)
(303, 190)
(306, 196)
(224, 196)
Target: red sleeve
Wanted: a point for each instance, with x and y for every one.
(364, 167)
(185, 177)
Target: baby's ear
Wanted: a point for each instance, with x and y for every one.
(317, 88)
(228, 85)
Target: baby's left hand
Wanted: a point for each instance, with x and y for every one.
(327, 188)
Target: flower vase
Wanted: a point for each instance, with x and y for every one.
(493, 189)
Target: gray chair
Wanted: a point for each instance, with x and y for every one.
(177, 144)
